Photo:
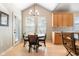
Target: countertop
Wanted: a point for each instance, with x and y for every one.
(65, 29)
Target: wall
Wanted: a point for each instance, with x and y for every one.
(43, 12)
(6, 31)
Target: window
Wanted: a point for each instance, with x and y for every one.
(30, 25)
(34, 25)
(41, 25)
(76, 21)
(76, 26)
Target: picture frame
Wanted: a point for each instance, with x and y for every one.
(4, 19)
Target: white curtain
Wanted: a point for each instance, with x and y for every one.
(30, 25)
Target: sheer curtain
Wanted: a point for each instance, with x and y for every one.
(41, 29)
(32, 27)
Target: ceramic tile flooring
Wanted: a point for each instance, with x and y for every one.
(49, 50)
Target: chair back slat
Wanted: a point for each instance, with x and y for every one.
(69, 43)
(33, 38)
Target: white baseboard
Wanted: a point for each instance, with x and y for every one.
(10, 48)
(6, 51)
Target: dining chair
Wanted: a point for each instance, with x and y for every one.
(25, 38)
(33, 40)
(70, 44)
(42, 39)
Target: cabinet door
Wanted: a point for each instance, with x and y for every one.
(58, 38)
(55, 19)
(67, 19)
(63, 19)
(59, 20)
(70, 19)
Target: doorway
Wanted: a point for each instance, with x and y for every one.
(15, 29)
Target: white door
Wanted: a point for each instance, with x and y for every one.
(15, 30)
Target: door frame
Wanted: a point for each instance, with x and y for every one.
(13, 41)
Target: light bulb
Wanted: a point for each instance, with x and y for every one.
(30, 12)
(36, 12)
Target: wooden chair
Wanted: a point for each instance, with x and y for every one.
(33, 40)
(69, 43)
(25, 40)
(42, 39)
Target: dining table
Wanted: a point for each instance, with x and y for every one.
(39, 36)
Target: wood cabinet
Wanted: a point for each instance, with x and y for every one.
(62, 19)
(67, 19)
(58, 38)
(55, 20)
(59, 20)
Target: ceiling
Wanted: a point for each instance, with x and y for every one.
(73, 7)
(49, 6)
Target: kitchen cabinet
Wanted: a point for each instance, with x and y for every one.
(62, 19)
(55, 20)
(67, 19)
(59, 20)
(58, 38)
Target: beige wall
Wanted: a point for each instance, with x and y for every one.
(6, 31)
(43, 12)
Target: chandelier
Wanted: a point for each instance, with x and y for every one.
(34, 12)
